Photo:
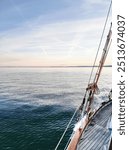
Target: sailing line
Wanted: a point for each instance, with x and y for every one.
(84, 99)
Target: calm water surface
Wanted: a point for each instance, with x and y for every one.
(36, 104)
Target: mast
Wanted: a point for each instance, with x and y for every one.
(92, 88)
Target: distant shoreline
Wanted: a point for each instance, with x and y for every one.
(51, 66)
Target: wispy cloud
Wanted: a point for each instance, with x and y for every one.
(41, 41)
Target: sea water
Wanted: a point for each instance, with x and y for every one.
(36, 104)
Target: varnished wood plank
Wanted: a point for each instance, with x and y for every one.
(97, 135)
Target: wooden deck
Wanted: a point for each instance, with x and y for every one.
(97, 135)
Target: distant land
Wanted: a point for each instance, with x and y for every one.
(49, 66)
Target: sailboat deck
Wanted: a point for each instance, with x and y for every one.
(97, 135)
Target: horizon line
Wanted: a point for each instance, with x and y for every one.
(81, 66)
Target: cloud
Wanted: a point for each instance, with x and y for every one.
(72, 38)
(57, 41)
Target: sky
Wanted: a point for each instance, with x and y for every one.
(51, 32)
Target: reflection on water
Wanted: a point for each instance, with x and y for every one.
(36, 104)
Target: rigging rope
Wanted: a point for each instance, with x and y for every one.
(100, 42)
(99, 45)
(66, 128)
(89, 79)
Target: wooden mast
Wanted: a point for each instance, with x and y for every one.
(91, 89)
